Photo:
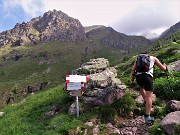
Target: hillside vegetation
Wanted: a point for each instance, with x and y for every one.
(23, 68)
(29, 115)
(167, 83)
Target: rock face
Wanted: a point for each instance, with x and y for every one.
(53, 25)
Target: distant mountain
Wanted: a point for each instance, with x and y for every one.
(53, 25)
(173, 29)
(109, 37)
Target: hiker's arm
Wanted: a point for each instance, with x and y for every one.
(163, 66)
(133, 71)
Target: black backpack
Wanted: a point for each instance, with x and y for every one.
(143, 63)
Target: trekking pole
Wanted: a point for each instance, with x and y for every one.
(168, 80)
(166, 72)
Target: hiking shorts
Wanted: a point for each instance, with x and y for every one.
(145, 81)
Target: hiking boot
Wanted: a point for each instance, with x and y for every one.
(149, 119)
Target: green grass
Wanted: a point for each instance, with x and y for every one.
(29, 117)
(47, 62)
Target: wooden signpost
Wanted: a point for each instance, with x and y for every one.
(75, 86)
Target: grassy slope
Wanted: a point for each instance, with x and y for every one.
(29, 117)
(168, 53)
(48, 62)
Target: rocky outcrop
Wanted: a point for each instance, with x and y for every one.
(34, 88)
(53, 25)
(10, 97)
(103, 87)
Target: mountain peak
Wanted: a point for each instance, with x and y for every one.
(53, 25)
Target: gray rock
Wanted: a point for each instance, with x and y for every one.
(72, 109)
(96, 64)
(174, 105)
(103, 96)
(174, 66)
(170, 121)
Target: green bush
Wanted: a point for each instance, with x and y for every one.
(167, 88)
(107, 113)
(160, 111)
(177, 130)
(125, 105)
(155, 129)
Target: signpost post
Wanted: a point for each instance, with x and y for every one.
(75, 84)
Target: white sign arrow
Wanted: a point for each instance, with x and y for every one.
(74, 86)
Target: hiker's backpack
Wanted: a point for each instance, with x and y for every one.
(143, 63)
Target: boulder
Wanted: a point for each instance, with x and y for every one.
(103, 96)
(170, 121)
(104, 79)
(96, 64)
(174, 66)
(174, 105)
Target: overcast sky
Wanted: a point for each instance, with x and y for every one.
(132, 17)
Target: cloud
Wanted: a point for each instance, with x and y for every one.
(30, 7)
(92, 12)
(126, 16)
(150, 17)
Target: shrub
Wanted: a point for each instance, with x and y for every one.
(107, 113)
(167, 88)
(160, 111)
(155, 129)
(125, 105)
(177, 130)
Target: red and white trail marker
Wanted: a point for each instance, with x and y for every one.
(76, 78)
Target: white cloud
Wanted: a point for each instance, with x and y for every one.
(30, 7)
(149, 17)
(126, 16)
(91, 12)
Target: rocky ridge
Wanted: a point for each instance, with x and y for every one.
(53, 25)
(112, 38)
(173, 29)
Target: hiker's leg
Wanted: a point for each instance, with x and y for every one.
(148, 102)
(143, 93)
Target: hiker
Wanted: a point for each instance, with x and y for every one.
(145, 81)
